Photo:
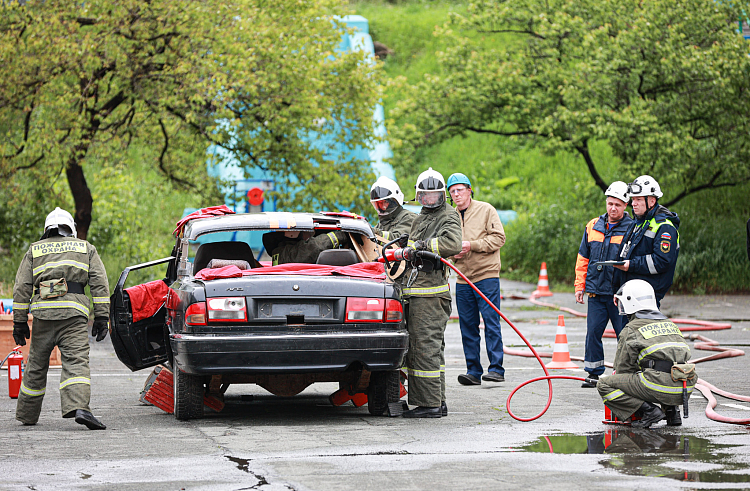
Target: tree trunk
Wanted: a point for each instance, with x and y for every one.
(81, 196)
(584, 151)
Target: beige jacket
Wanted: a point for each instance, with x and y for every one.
(483, 229)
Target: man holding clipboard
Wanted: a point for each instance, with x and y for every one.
(594, 273)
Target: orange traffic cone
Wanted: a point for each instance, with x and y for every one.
(542, 288)
(561, 355)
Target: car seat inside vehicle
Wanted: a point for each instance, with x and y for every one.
(337, 257)
(240, 251)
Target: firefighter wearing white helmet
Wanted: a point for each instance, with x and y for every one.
(50, 284)
(651, 362)
(652, 245)
(436, 229)
(393, 219)
(602, 238)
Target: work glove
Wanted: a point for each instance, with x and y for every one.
(421, 245)
(100, 328)
(21, 333)
(403, 241)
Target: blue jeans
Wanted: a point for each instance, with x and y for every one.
(602, 309)
(469, 305)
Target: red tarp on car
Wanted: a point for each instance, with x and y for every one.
(211, 211)
(359, 270)
(146, 299)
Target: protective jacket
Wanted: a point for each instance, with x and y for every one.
(652, 245)
(441, 228)
(395, 224)
(54, 258)
(659, 340)
(306, 251)
(601, 242)
(481, 226)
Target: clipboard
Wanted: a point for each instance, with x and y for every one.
(610, 263)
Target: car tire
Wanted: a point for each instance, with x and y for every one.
(384, 388)
(188, 395)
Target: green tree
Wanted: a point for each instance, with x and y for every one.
(87, 79)
(666, 83)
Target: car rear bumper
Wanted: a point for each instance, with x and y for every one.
(288, 352)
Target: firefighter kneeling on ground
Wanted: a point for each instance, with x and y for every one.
(650, 364)
(50, 283)
(427, 302)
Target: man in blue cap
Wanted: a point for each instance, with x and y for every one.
(479, 260)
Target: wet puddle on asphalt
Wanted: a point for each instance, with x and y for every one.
(643, 452)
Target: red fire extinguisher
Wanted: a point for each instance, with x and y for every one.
(15, 361)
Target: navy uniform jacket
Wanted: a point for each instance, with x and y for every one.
(599, 243)
(651, 245)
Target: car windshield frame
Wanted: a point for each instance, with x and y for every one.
(275, 221)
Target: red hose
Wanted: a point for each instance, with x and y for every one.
(547, 376)
(707, 344)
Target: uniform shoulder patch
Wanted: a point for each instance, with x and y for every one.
(666, 236)
(665, 246)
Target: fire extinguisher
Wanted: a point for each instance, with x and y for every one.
(15, 370)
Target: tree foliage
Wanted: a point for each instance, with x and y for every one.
(665, 83)
(85, 79)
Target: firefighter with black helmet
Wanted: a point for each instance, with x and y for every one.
(50, 285)
(427, 297)
(393, 219)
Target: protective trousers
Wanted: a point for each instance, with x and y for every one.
(470, 304)
(625, 393)
(601, 309)
(71, 337)
(426, 318)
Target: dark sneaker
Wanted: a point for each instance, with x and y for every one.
(467, 379)
(424, 412)
(86, 418)
(672, 414)
(589, 385)
(444, 409)
(493, 377)
(651, 414)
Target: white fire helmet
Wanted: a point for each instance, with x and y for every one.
(619, 190)
(644, 186)
(386, 191)
(430, 189)
(634, 296)
(62, 221)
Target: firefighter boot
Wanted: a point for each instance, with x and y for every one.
(651, 414)
(673, 415)
(84, 417)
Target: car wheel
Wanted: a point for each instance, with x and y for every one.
(384, 388)
(188, 395)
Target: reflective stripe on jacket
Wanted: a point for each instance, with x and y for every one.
(599, 243)
(441, 229)
(659, 340)
(652, 246)
(53, 258)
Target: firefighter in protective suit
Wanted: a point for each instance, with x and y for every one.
(427, 300)
(651, 362)
(50, 284)
(302, 247)
(393, 219)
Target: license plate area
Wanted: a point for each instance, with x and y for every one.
(300, 310)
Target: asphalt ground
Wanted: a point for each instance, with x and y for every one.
(264, 442)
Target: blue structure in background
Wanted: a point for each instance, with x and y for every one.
(249, 193)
